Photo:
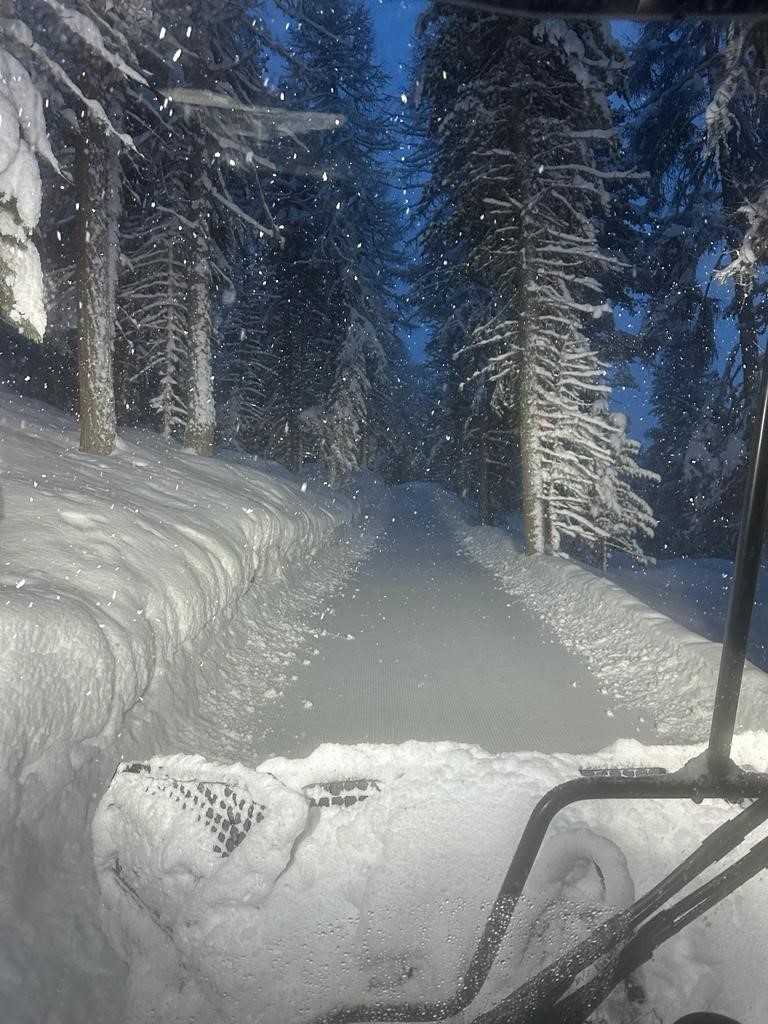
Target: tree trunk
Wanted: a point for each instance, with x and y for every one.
(750, 352)
(530, 454)
(201, 411)
(293, 422)
(457, 469)
(483, 487)
(170, 362)
(733, 193)
(95, 299)
(295, 394)
(123, 350)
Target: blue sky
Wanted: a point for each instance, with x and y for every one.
(394, 22)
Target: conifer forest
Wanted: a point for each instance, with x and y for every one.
(220, 219)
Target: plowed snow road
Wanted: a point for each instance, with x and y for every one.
(424, 645)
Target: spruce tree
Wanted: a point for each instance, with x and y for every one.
(698, 133)
(520, 199)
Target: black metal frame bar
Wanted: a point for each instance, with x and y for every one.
(681, 785)
(742, 598)
(614, 939)
(631, 10)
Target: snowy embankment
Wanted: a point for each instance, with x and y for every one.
(642, 658)
(109, 566)
(694, 592)
(125, 583)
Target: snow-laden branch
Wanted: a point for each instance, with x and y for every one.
(20, 34)
(87, 31)
(234, 208)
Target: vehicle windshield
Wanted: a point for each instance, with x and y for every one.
(377, 380)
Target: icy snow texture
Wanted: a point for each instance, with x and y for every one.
(382, 900)
(644, 660)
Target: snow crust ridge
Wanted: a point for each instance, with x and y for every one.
(643, 659)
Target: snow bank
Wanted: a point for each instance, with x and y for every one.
(642, 658)
(695, 592)
(365, 873)
(109, 567)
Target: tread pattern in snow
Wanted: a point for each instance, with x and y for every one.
(216, 805)
(341, 793)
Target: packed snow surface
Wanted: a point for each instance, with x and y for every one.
(424, 644)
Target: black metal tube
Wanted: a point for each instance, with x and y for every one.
(611, 934)
(675, 786)
(751, 533)
(635, 10)
(575, 1008)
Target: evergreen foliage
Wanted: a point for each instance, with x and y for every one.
(328, 343)
(699, 133)
(221, 243)
(518, 200)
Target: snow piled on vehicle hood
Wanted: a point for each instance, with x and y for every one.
(368, 872)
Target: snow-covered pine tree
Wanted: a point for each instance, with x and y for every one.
(575, 441)
(469, 442)
(715, 463)
(680, 328)
(522, 189)
(587, 459)
(202, 130)
(85, 57)
(487, 433)
(23, 141)
(743, 78)
(245, 363)
(340, 423)
(152, 320)
(622, 515)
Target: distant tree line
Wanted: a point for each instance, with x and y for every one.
(206, 250)
(199, 230)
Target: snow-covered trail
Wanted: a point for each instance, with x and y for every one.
(423, 644)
